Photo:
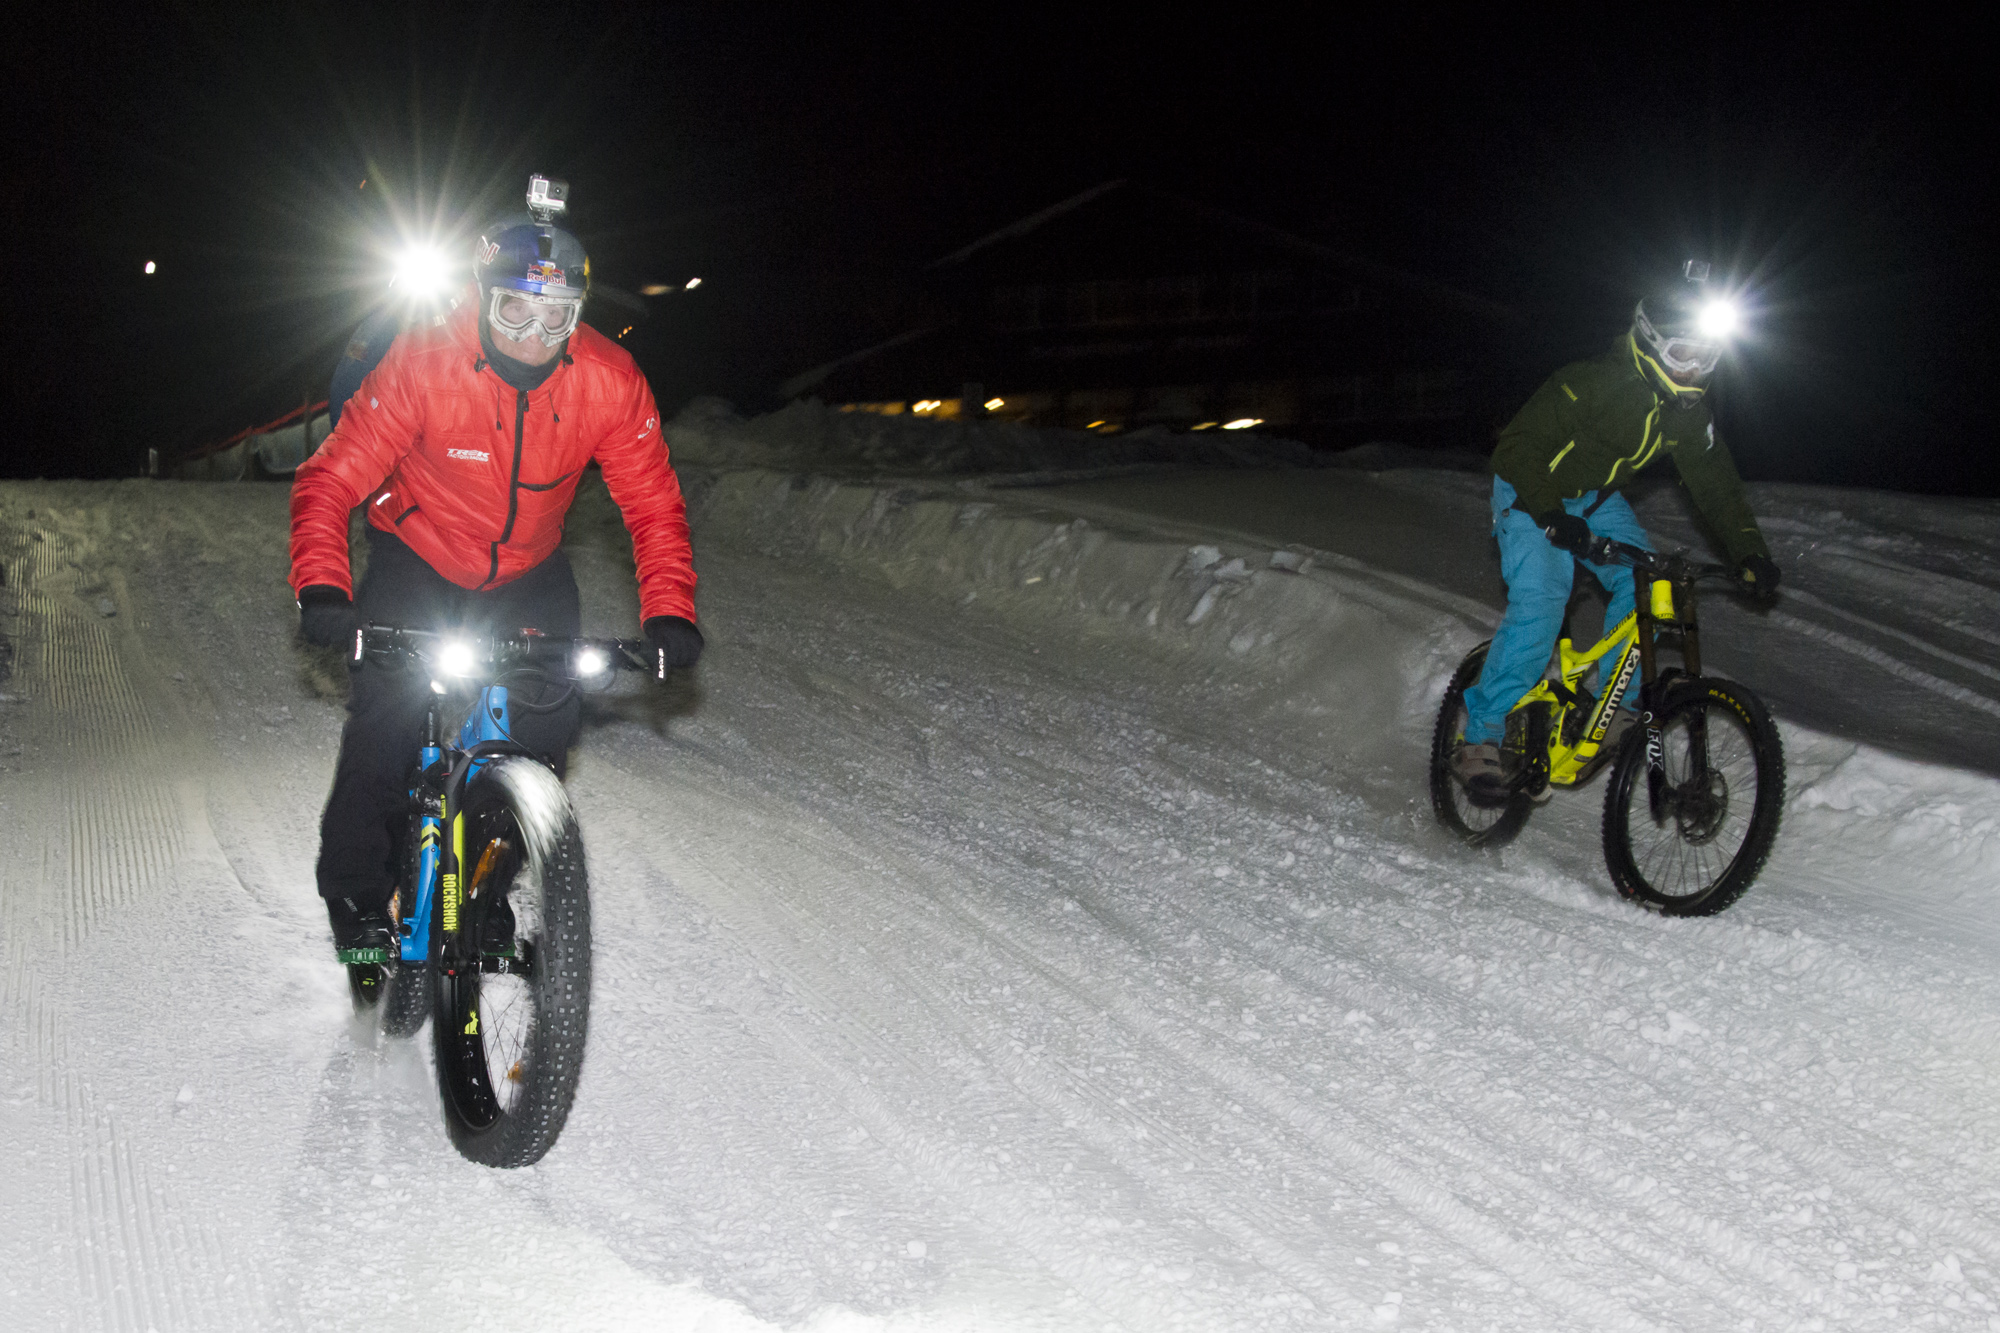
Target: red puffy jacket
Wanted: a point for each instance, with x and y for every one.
(476, 477)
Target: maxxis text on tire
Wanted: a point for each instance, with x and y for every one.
(1697, 860)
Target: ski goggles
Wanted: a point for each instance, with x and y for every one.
(1690, 359)
(518, 316)
(1685, 360)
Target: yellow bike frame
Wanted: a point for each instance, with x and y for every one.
(1570, 764)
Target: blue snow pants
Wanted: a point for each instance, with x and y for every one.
(1538, 585)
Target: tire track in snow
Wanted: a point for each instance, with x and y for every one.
(791, 943)
(1115, 1129)
(1670, 1222)
(123, 832)
(140, 1263)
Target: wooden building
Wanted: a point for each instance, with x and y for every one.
(1126, 307)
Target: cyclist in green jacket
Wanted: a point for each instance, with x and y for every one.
(1583, 436)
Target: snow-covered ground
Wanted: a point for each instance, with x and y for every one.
(1030, 918)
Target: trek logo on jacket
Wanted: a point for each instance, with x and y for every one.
(476, 476)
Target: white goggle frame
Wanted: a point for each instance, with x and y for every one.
(1695, 357)
(552, 318)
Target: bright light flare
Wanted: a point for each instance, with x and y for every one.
(422, 271)
(1243, 423)
(693, 283)
(151, 267)
(1719, 318)
(457, 657)
(591, 662)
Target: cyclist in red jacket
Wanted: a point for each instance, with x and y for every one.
(466, 444)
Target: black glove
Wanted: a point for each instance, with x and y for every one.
(677, 642)
(326, 617)
(1565, 531)
(1761, 573)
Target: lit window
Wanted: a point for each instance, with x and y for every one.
(995, 404)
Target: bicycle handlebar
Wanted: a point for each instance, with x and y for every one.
(469, 656)
(1674, 566)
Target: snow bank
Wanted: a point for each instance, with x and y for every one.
(1875, 818)
(1351, 660)
(1325, 636)
(809, 434)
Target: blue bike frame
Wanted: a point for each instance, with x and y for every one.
(488, 725)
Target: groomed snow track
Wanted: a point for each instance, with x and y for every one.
(1020, 923)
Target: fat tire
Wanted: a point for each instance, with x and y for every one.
(1447, 795)
(557, 994)
(406, 990)
(1625, 799)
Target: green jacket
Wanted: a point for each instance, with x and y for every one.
(1596, 423)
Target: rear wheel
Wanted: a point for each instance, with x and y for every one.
(509, 1032)
(1481, 820)
(1691, 841)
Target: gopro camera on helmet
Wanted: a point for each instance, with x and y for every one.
(1695, 270)
(547, 199)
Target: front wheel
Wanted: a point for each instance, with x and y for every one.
(1482, 821)
(1688, 837)
(509, 1031)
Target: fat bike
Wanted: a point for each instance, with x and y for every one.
(492, 908)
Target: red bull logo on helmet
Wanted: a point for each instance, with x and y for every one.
(546, 272)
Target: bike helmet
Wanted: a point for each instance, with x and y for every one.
(533, 275)
(1679, 332)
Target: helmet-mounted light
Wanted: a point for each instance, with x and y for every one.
(1718, 318)
(421, 271)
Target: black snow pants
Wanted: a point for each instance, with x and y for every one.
(361, 832)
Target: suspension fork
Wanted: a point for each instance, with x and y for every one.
(420, 898)
(1652, 705)
(1697, 720)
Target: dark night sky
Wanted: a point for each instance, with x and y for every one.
(1551, 168)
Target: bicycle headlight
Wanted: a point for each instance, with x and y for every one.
(457, 657)
(591, 662)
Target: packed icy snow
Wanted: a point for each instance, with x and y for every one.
(1028, 917)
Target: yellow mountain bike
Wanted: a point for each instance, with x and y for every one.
(1696, 788)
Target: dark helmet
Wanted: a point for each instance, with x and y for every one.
(1679, 332)
(533, 275)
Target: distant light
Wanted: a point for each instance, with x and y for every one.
(927, 405)
(1093, 425)
(693, 283)
(151, 266)
(656, 289)
(1719, 318)
(1241, 423)
(1206, 425)
(362, 186)
(627, 329)
(992, 404)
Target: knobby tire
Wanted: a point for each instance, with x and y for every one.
(1479, 824)
(1711, 838)
(510, 1047)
